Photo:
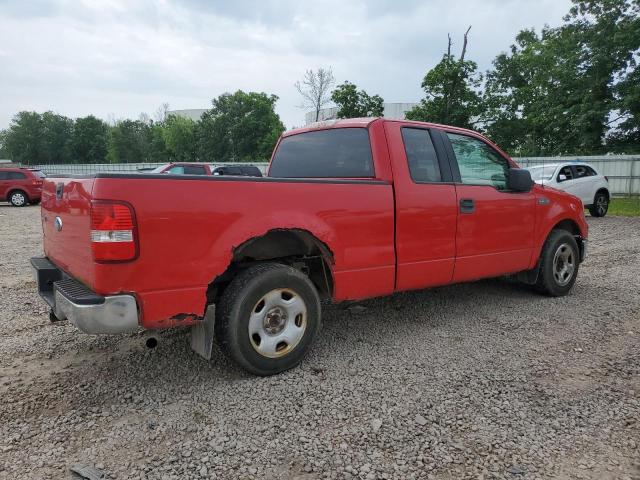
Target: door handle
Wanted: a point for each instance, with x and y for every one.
(467, 205)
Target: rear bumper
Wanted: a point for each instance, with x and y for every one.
(88, 311)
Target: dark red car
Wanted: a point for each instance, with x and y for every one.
(20, 186)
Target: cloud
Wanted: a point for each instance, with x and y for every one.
(119, 58)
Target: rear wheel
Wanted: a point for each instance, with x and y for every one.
(600, 205)
(268, 318)
(18, 198)
(559, 263)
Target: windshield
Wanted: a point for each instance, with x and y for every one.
(159, 169)
(542, 173)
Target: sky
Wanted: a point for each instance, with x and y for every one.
(118, 58)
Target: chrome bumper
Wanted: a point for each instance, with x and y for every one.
(88, 311)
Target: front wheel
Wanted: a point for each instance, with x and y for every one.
(600, 205)
(268, 318)
(18, 198)
(559, 263)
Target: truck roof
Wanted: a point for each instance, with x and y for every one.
(364, 123)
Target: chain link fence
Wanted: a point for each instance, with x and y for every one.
(91, 168)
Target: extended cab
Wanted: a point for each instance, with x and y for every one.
(349, 209)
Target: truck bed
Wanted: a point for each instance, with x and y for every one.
(195, 222)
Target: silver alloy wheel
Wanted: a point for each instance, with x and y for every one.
(18, 199)
(563, 264)
(601, 205)
(277, 323)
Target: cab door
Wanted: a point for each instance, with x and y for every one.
(425, 202)
(495, 226)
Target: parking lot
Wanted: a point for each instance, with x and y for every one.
(483, 380)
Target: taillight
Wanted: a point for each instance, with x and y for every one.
(36, 182)
(113, 232)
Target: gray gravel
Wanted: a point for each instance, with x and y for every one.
(484, 380)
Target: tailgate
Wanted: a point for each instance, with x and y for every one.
(66, 204)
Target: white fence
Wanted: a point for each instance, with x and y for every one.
(623, 171)
(90, 168)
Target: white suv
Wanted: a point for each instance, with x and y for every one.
(579, 179)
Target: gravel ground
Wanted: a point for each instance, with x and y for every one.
(484, 380)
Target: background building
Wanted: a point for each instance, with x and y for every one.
(394, 111)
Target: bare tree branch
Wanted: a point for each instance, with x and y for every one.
(464, 44)
(315, 89)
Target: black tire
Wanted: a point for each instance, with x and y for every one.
(18, 198)
(600, 205)
(550, 281)
(242, 298)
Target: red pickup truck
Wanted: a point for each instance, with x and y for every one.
(349, 209)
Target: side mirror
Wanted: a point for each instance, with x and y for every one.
(519, 180)
(562, 177)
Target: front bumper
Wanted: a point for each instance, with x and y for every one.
(90, 312)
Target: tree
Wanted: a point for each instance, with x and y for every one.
(239, 127)
(179, 136)
(315, 88)
(24, 139)
(33, 138)
(57, 131)
(162, 113)
(561, 92)
(451, 91)
(89, 142)
(354, 103)
(129, 142)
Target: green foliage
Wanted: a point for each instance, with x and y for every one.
(625, 207)
(89, 141)
(239, 127)
(179, 135)
(354, 103)
(34, 138)
(129, 142)
(561, 92)
(451, 92)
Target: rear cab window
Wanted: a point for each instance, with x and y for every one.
(194, 170)
(331, 153)
(421, 155)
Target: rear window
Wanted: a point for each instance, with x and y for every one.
(421, 155)
(333, 153)
(38, 173)
(194, 170)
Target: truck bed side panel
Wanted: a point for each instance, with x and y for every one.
(188, 229)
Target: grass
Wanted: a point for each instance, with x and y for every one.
(625, 207)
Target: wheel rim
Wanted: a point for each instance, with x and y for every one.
(563, 264)
(602, 204)
(18, 199)
(277, 323)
